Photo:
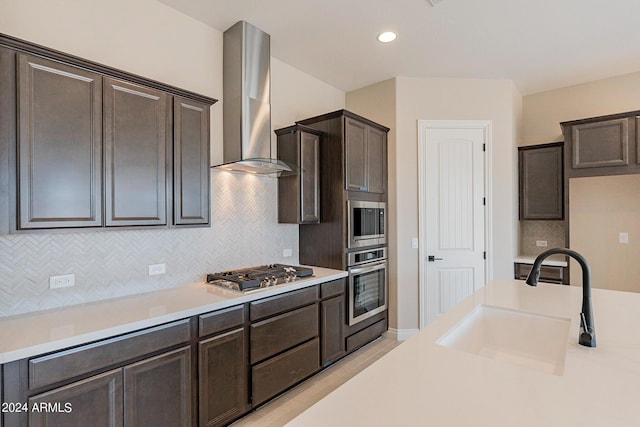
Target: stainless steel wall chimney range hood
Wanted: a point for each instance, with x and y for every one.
(246, 102)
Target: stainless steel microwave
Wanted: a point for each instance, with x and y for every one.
(366, 223)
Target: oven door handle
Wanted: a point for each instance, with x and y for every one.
(368, 268)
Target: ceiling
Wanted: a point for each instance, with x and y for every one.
(539, 44)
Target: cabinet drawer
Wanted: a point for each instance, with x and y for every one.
(548, 273)
(282, 332)
(220, 320)
(82, 360)
(280, 303)
(329, 289)
(366, 335)
(283, 371)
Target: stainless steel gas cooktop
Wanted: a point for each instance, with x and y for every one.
(263, 276)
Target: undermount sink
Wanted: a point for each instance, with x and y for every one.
(530, 340)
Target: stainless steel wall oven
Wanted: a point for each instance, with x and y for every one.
(367, 290)
(366, 223)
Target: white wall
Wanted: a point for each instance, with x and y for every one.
(545, 110)
(445, 99)
(148, 38)
(595, 225)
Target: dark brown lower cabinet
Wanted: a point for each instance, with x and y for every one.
(152, 392)
(223, 386)
(148, 377)
(95, 401)
(332, 320)
(157, 391)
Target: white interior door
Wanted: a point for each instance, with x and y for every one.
(452, 213)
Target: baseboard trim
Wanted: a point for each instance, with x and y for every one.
(400, 334)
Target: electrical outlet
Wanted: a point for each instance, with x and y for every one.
(287, 253)
(624, 237)
(156, 269)
(63, 281)
(542, 243)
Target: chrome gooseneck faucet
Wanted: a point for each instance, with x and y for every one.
(587, 335)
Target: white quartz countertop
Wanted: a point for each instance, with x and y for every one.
(421, 383)
(555, 261)
(28, 335)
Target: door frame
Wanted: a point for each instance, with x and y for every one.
(423, 127)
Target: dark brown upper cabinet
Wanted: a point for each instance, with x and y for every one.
(59, 145)
(541, 182)
(135, 154)
(365, 156)
(600, 144)
(190, 162)
(299, 194)
(605, 145)
(85, 145)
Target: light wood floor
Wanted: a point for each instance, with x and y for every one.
(286, 407)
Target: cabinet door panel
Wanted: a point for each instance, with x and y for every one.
(59, 145)
(309, 178)
(224, 391)
(191, 162)
(135, 154)
(376, 160)
(96, 402)
(600, 144)
(332, 312)
(541, 183)
(355, 155)
(157, 391)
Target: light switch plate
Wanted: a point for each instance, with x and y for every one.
(624, 237)
(414, 243)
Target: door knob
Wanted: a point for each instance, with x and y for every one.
(432, 258)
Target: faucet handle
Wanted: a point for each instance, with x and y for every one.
(587, 336)
(583, 323)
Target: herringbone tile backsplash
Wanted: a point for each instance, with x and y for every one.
(244, 232)
(531, 231)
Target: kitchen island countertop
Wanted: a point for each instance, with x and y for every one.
(421, 383)
(51, 330)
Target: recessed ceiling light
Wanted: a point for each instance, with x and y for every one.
(387, 36)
